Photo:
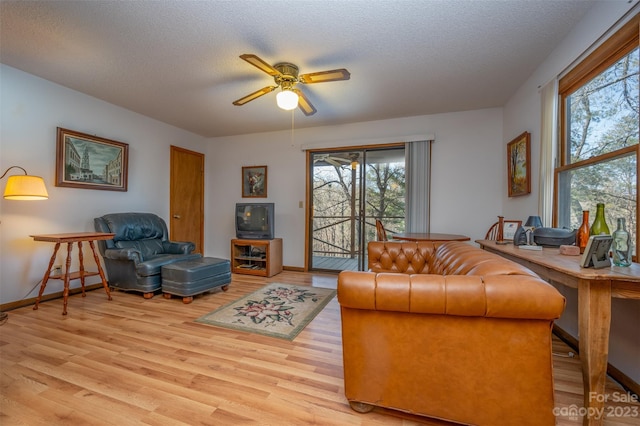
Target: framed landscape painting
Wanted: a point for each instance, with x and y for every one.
(90, 162)
(519, 165)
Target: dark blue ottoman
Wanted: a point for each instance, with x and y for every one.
(192, 277)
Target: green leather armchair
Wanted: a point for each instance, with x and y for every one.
(139, 249)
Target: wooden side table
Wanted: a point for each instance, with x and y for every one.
(70, 238)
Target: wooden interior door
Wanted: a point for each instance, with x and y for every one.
(186, 205)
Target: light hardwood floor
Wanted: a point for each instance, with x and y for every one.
(145, 361)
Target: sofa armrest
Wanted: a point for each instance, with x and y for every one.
(123, 254)
(508, 296)
(178, 247)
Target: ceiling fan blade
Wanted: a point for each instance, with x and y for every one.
(260, 64)
(255, 95)
(304, 104)
(324, 76)
(333, 162)
(341, 160)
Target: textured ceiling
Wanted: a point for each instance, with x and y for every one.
(178, 61)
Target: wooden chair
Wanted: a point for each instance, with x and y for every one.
(496, 231)
(382, 233)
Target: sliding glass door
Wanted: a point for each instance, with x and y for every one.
(350, 189)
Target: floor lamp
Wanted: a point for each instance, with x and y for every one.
(23, 187)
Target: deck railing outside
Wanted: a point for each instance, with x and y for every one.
(333, 236)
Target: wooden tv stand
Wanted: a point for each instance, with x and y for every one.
(256, 257)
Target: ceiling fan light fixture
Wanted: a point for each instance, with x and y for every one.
(286, 76)
(287, 99)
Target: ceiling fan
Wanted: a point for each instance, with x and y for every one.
(286, 77)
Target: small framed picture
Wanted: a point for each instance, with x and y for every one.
(596, 254)
(254, 182)
(91, 162)
(519, 165)
(509, 229)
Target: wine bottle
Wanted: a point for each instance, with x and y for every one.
(599, 225)
(582, 236)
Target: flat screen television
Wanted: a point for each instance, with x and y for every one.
(255, 221)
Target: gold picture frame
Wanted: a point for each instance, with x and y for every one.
(519, 165)
(254, 182)
(90, 162)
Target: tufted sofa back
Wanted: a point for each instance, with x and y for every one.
(458, 258)
(450, 258)
(403, 257)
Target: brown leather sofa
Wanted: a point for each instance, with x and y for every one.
(449, 331)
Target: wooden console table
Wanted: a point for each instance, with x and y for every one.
(70, 238)
(595, 288)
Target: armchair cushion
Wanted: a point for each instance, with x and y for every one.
(153, 265)
(175, 247)
(123, 254)
(146, 248)
(135, 226)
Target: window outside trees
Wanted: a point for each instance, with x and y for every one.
(599, 138)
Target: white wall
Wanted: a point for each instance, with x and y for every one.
(467, 173)
(522, 113)
(31, 110)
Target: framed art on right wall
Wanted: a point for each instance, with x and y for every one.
(519, 165)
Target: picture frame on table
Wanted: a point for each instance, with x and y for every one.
(596, 253)
(519, 165)
(90, 162)
(509, 229)
(254, 182)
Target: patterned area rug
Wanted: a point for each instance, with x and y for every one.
(276, 310)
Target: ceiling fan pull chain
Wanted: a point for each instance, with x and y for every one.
(293, 111)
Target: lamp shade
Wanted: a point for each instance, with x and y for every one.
(25, 187)
(534, 221)
(287, 100)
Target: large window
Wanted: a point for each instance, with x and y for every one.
(599, 134)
